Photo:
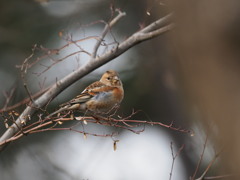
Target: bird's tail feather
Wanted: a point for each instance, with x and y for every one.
(68, 107)
(58, 111)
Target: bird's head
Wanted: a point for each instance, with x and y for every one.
(111, 78)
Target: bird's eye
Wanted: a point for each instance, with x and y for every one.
(108, 78)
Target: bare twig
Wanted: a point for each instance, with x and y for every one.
(8, 96)
(24, 101)
(48, 124)
(49, 52)
(202, 177)
(174, 157)
(59, 60)
(24, 69)
(200, 159)
(107, 27)
(226, 176)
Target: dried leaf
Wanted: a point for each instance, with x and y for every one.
(16, 113)
(6, 125)
(84, 135)
(78, 118)
(23, 122)
(115, 145)
(192, 134)
(60, 33)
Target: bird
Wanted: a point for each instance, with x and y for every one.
(99, 97)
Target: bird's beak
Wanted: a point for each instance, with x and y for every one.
(116, 78)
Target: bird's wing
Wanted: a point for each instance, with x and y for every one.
(94, 88)
(91, 91)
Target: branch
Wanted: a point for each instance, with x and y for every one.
(202, 177)
(201, 157)
(220, 177)
(8, 96)
(105, 31)
(92, 64)
(157, 23)
(55, 123)
(24, 101)
(174, 158)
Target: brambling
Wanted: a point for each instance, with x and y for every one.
(99, 97)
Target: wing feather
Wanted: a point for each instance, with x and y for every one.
(90, 91)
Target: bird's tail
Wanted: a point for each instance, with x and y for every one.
(58, 111)
(67, 107)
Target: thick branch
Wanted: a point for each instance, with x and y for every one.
(157, 23)
(62, 84)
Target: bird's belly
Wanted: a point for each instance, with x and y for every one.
(102, 102)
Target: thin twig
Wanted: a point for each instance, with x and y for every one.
(174, 157)
(201, 158)
(59, 60)
(107, 27)
(24, 101)
(49, 52)
(8, 97)
(202, 177)
(220, 177)
(154, 123)
(24, 69)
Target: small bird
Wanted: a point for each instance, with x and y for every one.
(99, 97)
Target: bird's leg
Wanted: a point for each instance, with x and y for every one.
(96, 117)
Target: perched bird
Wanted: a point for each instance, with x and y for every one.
(99, 97)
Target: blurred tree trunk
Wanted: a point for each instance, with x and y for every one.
(207, 43)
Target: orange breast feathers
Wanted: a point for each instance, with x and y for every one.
(118, 93)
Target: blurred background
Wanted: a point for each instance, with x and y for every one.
(189, 76)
